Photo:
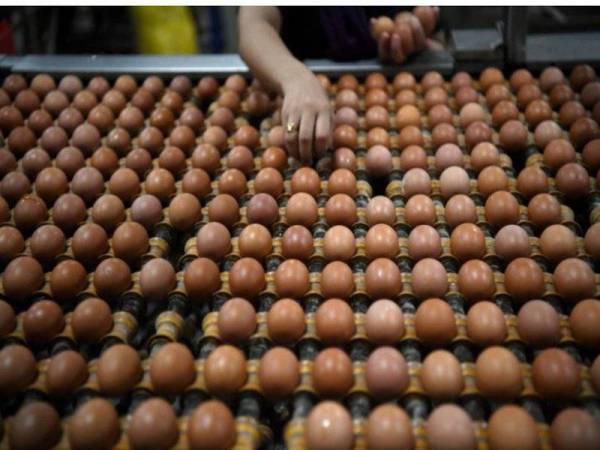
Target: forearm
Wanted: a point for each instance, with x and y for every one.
(265, 53)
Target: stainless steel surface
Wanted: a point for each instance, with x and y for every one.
(563, 49)
(218, 65)
(483, 44)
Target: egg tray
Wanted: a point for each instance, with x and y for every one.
(414, 399)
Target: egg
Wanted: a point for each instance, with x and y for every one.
(501, 208)
(569, 112)
(236, 321)
(337, 280)
(573, 180)
(35, 425)
(420, 210)
(574, 428)
(555, 375)
(435, 324)
(592, 240)
(66, 372)
(498, 374)
(332, 373)
(146, 210)
(476, 280)
(449, 427)
(441, 376)
(512, 242)
(225, 370)
(67, 280)
(532, 180)
(538, 324)
(119, 369)
(157, 279)
(340, 209)
(334, 322)
(91, 320)
(339, 243)
(292, 279)
(582, 319)
(95, 424)
(246, 278)
(467, 241)
(384, 322)
(448, 155)
(329, 425)
(511, 426)
(429, 279)
(513, 136)
(454, 180)
(388, 426)
(460, 209)
(378, 161)
(302, 210)
(383, 279)
(574, 279)
(424, 241)
(43, 321)
(201, 279)
(153, 424)
(18, 369)
(386, 373)
(285, 321)
(486, 324)
(224, 209)
(380, 209)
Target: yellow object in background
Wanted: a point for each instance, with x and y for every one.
(165, 30)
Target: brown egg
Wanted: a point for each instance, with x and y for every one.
(206, 157)
(88, 183)
(146, 210)
(441, 376)
(12, 243)
(582, 131)
(486, 325)
(404, 80)
(201, 279)
(196, 182)
(255, 241)
(20, 140)
(590, 154)
(47, 242)
(536, 112)
(513, 136)
(376, 80)
(17, 368)
(410, 135)
(592, 242)
(557, 153)
(66, 372)
(262, 209)
(449, 427)
(172, 369)
(424, 242)
(279, 373)
(544, 210)
(337, 280)
(224, 208)
(42, 83)
(555, 375)
(490, 76)
(348, 116)
(405, 97)
(590, 94)
(332, 373)
(439, 114)
(378, 136)
(538, 324)
(574, 428)
(498, 374)
(225, 370)
(460, 79)
(213, 241)
(469, 113)
(408, 115)
(340, 209)
(383, 279)
(573, 180)
(86, 137)
(476, 280)
(569, 113)
(443, 133)
(246, 278)
(420, 210)
(524, 279)
(435, 96)
(125, 184)
(460, 209)
(386, 373)
(574, 279)
(36, 425)
(583, 319)
(89, 242)
(306, 180)
(348, 98)
(329, 426)
(172, 159)
(274, 157)
(8, 319)
(430, 79)
(429, 279)
(108, 212)
(378, 161)
(519, 78)
(302, 210)
(211, 425)
(492, 179)
(91, 320)
(384, 322)
(29, 212)
(497, 93)
(8, 162)
(291, 279)
(448, 155)
(151, 139)
(334, 322)
(532, 180)
(153, 424)
(381, 242)
(161, 183)
(467, 241)
(557, 242)
(416, 181)
(512, 242)
(380, 209)
(285, 321)
(208, 87)
(435, 323)
(466, 95)
(69, 160)
(105, 160)
(341, 181)
(94, 425)
(248, 136)
(454, 180)
(510, 426)
(377, 116)
(345, 136)
(184, 211)
(560, 94)
(580, 75)
(43, 321)
(55, 101)
(53, 139)
(157, 279)
(217, 137)
(14, 186)
(501, 208)
(112, 277)
(339, 243)
(130, 241)
(119, 369)
(388, 427)
(67, 280)
(297, 242)
(119, 140)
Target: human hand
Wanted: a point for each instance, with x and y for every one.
(306, 117)
(405, 35)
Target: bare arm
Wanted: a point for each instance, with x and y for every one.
(306, 108)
